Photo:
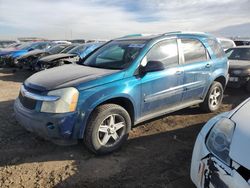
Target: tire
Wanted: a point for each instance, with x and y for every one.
(213, 102)
(100, 129)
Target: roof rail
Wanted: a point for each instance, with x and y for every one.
(184, 32)
(172, 32)
(138, 35)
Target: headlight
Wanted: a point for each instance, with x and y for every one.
(66, 103)
(237, 72)
(219, 139)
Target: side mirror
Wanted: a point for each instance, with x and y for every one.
(153, 66)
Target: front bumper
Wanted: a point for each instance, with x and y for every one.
(238, 81)
(47, 125)
(26, 63)
(7, 61)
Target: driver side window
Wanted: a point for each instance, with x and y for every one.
(165, 52)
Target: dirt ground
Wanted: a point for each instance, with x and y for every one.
(158, 153)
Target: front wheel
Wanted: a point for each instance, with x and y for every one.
(107, 128)
(213, 98)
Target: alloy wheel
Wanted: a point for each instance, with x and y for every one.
(215, 97)
(111, 130)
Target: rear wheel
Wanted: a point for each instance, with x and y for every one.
(213, 98)
(107, 129)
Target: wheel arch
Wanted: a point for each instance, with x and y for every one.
(123, 101)
(218, 78)
(222, 80)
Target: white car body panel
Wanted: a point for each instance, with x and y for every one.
(208, 171)
(240, 148)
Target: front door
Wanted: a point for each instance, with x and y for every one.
(162, 90)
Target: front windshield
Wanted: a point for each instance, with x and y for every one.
(115, 55)
(24, 46)
(66, 50)
(32, 45)
(56, 49)
(238, 53)
(77, 50)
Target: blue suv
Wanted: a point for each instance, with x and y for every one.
(123, 83)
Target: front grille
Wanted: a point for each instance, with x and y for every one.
(27, 102)
(33, 89)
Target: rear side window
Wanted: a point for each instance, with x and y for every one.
(193, 51)
(216, 48)
(166, 52)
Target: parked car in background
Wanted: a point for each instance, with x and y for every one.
(96, 40)
(29, 59)
(123, 83)
(13, 46)
(72, 56)
(242, 41)
(9, 57)
(78, 41)
(6, 43)
(221, 152)
(70, 47)
(239, 67)
(226, 43)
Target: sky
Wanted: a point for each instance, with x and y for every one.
(106, 19)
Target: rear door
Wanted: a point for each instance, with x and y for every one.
(162, 90)
(197, 69)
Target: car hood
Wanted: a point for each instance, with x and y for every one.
(13, 52)
(56, 57)
(65, 76)
(4, 52)
(239, 149)
(8, 49)
(239, 64)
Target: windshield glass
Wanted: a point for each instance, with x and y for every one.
(24, 46)
(77, 50)
(238, 53)
(66, 50)
(115, 55)
(56, 49)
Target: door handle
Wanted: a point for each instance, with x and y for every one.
(208, 65)
(178, 72)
